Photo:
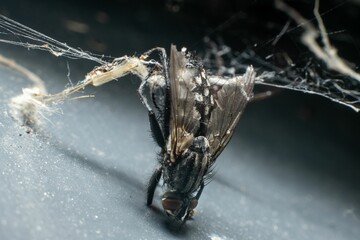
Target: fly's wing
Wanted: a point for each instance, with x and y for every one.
(184, 117)
(230, 97)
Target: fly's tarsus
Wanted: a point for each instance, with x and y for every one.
(154, 180)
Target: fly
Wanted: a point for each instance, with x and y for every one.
(192, 117)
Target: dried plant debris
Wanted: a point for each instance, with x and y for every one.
(26, 108)
(319, 71)
(29, 107)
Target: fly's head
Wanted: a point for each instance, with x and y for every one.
(178, 206)
(184, 179)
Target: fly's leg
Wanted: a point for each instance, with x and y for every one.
(143, 97)
(200, 191)
(159, 138)
(145, 81)
(154, 180)
(191, 213)
(156, 129)
(163, 57)
(154, 124)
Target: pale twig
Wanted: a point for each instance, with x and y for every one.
(328, 53)
(37, 81)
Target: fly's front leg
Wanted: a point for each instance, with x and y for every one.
(154, 124)
(166, 111)
(163, 58)
(200, 191)
(154, 180)
(190, 214)
(142, 96)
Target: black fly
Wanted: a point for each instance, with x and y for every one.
(192, 118)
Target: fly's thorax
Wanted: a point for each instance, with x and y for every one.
(187, 173)
(201, 146)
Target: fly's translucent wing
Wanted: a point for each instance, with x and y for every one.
(184, 117)
(230, 97)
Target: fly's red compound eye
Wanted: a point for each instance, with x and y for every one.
(171, 204)
(193, 203)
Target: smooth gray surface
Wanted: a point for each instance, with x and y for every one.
(290, 172)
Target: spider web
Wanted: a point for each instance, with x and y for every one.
(319, 70)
